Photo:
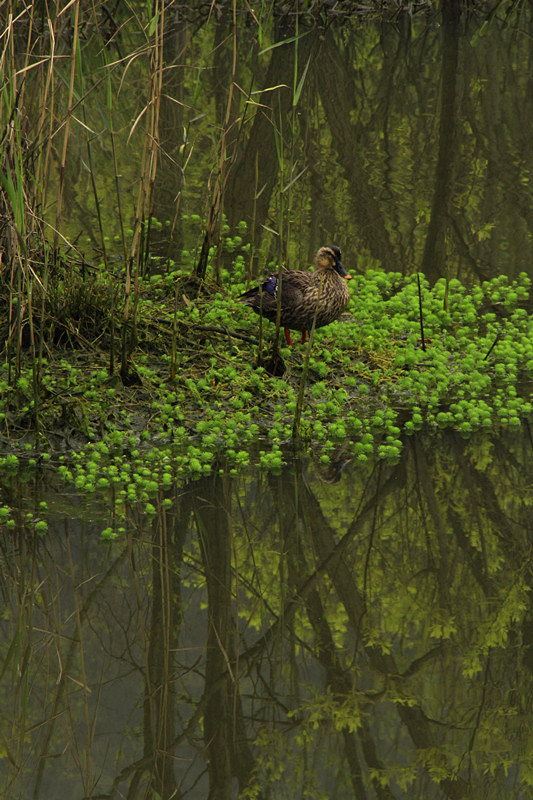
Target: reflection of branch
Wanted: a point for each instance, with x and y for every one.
(262, 139)
(339, 101)
(224, 730)
(433, 259)
(330, 554)
(418, 663)
(422, 731)
(419, 727)
(426, 484)
(341, 682)
(484, 272)
(476, 725)
(73, 652)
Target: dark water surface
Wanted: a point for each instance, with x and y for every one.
(365, 632)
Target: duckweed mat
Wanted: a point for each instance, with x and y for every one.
(196, 395)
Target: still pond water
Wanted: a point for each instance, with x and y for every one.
(365, 632)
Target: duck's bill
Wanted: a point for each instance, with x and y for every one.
(342, 272)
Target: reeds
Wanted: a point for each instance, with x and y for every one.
(63, 69)
(51, 107)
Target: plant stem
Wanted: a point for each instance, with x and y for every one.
(420, 312)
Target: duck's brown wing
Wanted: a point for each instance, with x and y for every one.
(293, 289)
(264, 298)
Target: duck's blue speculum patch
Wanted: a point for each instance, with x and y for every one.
(270, 286)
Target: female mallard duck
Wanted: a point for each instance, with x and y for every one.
(323, 293)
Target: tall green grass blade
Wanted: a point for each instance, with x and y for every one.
(291, 39)
(298, 90)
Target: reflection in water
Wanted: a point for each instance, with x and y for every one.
(281, 636)
(406, 141)
(406, 144)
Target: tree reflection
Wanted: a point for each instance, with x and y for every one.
(388, 634)
(367, 637)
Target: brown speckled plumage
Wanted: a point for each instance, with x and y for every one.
(324, 292)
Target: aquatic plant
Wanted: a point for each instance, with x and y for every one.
(369, 385)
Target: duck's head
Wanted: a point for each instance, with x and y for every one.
(329, 257)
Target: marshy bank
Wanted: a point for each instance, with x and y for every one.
(211, 573)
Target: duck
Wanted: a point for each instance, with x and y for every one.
(323, 293)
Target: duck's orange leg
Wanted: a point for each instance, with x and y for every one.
(288, 337)
(304, 337)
